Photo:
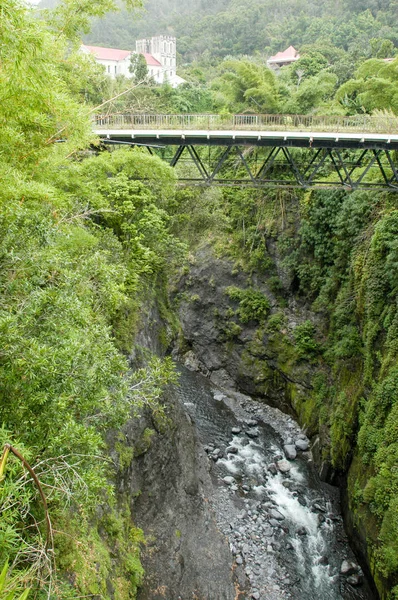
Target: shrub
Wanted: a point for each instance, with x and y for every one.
(253, 305)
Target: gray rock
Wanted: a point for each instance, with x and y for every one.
(275, 514)
(274, 523)
(283, 466)
(218, 396)
(239, 560)
(252, 422)
(272, 468)
(231, 450)
(252, 433)
(288, 484)
(302, 445)
(229, 480)
(290, 451)
(348, 568)
(256, 596)
(354, 580)
(236, 430)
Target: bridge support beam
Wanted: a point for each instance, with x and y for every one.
(280, 165)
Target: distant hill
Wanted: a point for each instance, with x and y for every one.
(213, 29)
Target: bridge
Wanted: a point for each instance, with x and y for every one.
(266, 150)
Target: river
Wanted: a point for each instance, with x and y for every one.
(284, 526)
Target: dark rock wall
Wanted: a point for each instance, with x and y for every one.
(185, 555)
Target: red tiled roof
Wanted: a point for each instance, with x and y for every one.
(151, 60)
(288, 55)
(108, 53)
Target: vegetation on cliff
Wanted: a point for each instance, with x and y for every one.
(81, 244)
(335, 253)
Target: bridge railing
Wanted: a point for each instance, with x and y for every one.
(335, 123)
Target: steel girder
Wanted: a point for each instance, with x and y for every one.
(281, 166)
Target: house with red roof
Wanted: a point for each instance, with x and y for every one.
(115, 61)
(281, 59)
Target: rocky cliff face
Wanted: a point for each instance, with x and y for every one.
(233, 354)
(168, 484)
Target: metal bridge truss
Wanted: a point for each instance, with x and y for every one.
(283, 167)
(280, 165)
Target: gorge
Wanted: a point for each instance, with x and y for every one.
(203, 378)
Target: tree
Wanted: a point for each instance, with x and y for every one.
(311, 93)
(310, 64)
(138, 67)
(246, 85)
(375, 86)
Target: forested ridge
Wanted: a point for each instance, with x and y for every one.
(86, 247)
(216, 29)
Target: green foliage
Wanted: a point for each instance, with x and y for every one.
(305, 343)
(312, 93)
(253, 305)
(310, 63)
(231, 330)
(138, 67)
(245, 84)
(6, 587)
(209, 31)
(374, 87)
(80, 241)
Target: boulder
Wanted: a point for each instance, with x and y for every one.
(229, 480)
(252, 433)
(354, 580)
(348, 568)
(302, 445)
(283, 466)
(290, 451)
(275, 514)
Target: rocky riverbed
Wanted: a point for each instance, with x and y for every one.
(283, 525)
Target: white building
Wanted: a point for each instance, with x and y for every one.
(116, 62)
(163, 49)
(155, 68)
(159, 53)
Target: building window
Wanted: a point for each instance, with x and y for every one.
(109, 69)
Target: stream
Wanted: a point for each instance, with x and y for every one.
(283, 525)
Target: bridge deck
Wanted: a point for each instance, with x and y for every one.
(299, 139)
(271, 161)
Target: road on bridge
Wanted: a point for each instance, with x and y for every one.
(266, 150)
